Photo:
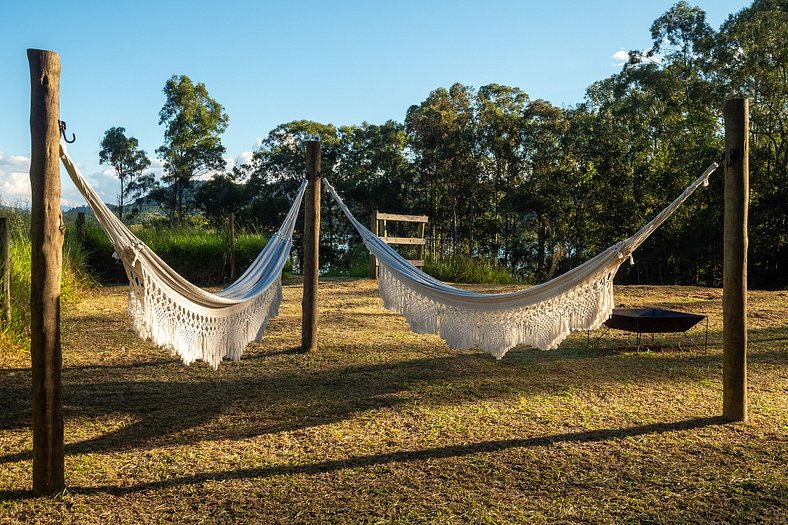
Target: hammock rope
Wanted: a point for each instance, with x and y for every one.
(541, 316)
(175, 314)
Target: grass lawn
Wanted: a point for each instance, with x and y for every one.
(381, 425)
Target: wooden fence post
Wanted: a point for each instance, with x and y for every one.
(311, 247)
(81, 226)
(734, 272)
(5, 269)
(373, 262)
(233, 257)
(46, 237)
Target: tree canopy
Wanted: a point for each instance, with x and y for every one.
(531, 186)
(129, 162)
(192, 145)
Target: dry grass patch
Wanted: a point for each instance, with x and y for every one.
(381, 425)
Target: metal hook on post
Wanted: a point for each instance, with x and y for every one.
(62, 124)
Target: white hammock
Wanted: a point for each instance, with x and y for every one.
(177, 315)
(541, 316)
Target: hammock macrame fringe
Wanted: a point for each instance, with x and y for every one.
(175, 314)
(544, 325)
(199, 337)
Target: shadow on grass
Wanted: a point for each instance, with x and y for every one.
(277, 391)
(405, 456)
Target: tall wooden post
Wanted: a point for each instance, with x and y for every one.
(81, 226)
(46, 237)
(233, 257)
(373, 261)
(5, 270)
(734, 272)
(311, 247)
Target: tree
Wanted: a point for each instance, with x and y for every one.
(278, 168)
(223, 194)
(129, 162)
(192, 145)
(751, 60)
(442, 134)
(547, 185)
(373, 170)
(500, 127)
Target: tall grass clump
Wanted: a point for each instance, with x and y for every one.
(74, 278)
(199, 255)
(469, 270)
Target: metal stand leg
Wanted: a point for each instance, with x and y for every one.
(691, 341)
(598, 338)
(706, 342)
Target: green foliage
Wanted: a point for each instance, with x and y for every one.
(471, 270)
(221, 196)
(751, 60)
(129, 161)
(200, 255)
(74, 278)
(192, 145)
(539, 188)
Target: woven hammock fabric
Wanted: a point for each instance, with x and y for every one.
(175, 314)
(541, 316)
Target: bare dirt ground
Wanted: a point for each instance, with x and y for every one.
(385, 426)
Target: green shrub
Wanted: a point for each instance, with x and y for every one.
(471, 270)
(74, 278)
(199, 255)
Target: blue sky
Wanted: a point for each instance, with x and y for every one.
(267, 63)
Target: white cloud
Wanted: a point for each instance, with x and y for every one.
(14, 186)
(244, 158)
(15, 182)
(156, 167)
(258, 142)
(14, 179)
(620, 57)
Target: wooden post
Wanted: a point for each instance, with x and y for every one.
(233, 257)
(81, 226)
(46, 237)
(311, 247)
(373, 262)
(5, 270)
(420, 248)
(734, 272)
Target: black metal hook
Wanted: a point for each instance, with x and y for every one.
(62, 124)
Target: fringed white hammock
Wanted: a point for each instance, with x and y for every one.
(177, 315)
(541, 316)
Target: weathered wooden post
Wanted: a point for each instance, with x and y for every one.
(233, 257)
(81, 226)
(46, 237)
(5, 269)
(311, 247)
(373, 262)
(734, 272)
